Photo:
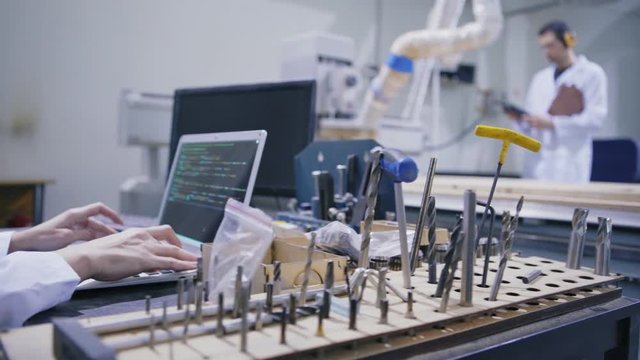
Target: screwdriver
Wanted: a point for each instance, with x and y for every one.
(508, 137)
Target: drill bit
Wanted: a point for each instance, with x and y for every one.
(487, 249)
(147, 304)
(237, 292)
(417, 236)
(199, 270)
(346, 277)
(206, 291)
(353, 306)
(441, 252)
(382, 286)
(185, 329)
(180, 292)
(307, 269)
(199, 296)
(577, 239)
(384, 312)
(372, 196)
(502, 265)
(329, 277)
(283, 326)
(269, 301)
(531, 276)
(514, 222)
(506, 254)
(603, 246)
(431, 250)
(329, 280)
(320, 330)
(277, 277)
(401, 218)
(258, 325)
(165, 322)
(293, 309)
(493, 296)
(244, 321)
(152, 331)
(342, 179)
(409, 314)
(363, 286)
(449, 257)
(190, 291)
(469, 248)
(220, 317)
(449, 281)
(326, 303)
(504, 232)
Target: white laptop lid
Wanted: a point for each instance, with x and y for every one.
(206, 171)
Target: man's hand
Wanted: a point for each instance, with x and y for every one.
(128, 253)
(538, 122)
(513, 115)
(72, 225)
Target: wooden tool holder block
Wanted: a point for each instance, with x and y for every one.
(559, 290)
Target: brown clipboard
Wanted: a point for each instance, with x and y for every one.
(569, 101)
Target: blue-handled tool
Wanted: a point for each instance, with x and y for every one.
(402, 169)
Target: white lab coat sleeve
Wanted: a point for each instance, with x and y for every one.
(32, 282)
(594, 113)
(5, 239)
(521, 125)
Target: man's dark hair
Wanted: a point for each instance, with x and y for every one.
(558, 28)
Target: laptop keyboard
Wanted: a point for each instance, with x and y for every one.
(129, 221)
(139, 279)
(138, 220)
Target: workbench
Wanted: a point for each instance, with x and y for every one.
(557, 332)
(543, 200)
(566, 336)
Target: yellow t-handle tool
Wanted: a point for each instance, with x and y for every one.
(508, 137)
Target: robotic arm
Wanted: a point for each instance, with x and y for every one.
(424, 44)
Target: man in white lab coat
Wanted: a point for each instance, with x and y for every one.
(566, 104)
(39, 270)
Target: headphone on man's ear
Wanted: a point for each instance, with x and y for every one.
(569, 39)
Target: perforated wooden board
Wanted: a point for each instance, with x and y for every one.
(514, 295)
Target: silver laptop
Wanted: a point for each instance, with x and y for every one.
(206, 171)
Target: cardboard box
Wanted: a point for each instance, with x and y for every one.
(290, 248)
(293, 258)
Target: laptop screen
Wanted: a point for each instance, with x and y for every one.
(205, 174)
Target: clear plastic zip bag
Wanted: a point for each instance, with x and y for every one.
(243, 239)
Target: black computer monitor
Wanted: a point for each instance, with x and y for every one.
(285, 110)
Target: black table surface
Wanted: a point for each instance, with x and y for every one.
(109, 301)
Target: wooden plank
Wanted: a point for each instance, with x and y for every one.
(602, 195)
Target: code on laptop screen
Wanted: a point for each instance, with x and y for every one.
(205, 176)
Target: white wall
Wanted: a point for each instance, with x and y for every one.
(63, 64)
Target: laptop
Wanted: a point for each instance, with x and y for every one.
(206, 171)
